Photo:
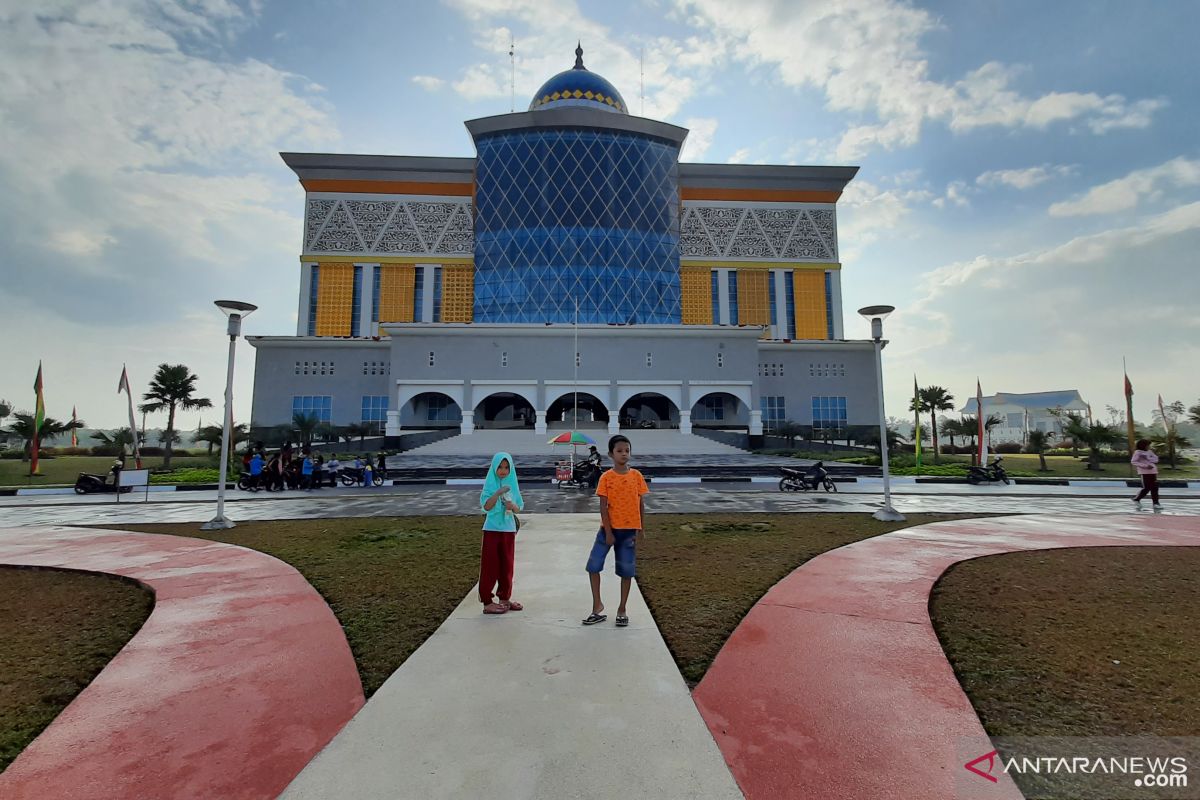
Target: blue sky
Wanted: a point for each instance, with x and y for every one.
(1029, 193)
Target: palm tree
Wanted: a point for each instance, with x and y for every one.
(117, 440)
(6, 409)
(871, 438)
(1194, 414)
(305, 424)
(1037, 442)
(951, 429)
(1169, 443)
(1092, 435)
(172, 387)
(51, 429)
(968, 428)
(211, 436)
(788, 430)
(932, 399)
(992, 421)
(360, 431)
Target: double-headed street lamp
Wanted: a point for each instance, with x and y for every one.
(876, 315)
(236, 311)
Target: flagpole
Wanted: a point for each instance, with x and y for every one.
(39, 418)
(1129, 431)
(917, 424)
(133, 431)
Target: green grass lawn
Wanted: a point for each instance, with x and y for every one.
(63, 470)
(1083, 642)
(52, 647)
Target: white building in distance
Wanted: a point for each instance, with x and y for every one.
(1031, 411)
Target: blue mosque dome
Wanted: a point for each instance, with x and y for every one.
(578, 87)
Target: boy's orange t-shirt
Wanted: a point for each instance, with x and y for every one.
(624, 497)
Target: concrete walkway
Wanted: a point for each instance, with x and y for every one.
(530, 704)
(238, 677)
(835, 683)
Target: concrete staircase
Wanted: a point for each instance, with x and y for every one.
(524, 442)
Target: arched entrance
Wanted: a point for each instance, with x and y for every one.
(504, 410)
(649, 410)
(430, 410)
(720, 410)
(592, 413)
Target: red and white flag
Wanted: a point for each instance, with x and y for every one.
(982, 428)
(123, 386)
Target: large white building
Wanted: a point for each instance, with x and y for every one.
(1031, 411)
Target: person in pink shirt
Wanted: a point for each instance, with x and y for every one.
(1146, 463)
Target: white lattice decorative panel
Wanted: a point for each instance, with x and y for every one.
(758, 233)
(389, 227)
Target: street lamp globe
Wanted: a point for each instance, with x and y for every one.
(876, 315)
(237, 311)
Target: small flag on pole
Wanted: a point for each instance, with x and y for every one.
(74, 421)
(39, 417)
(1129, 431)
(917, 420)
(979, 421)
(123, 386)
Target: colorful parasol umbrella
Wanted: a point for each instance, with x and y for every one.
(572, 437)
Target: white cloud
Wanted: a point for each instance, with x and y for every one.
(545, 34)
(867, 212)
(1125, 193)
(144, 180)
(740, 156)
(956, 195)
(700, 137)
(866, 57)
(428, 82)
(1024, 178)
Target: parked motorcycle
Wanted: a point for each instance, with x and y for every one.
(992, 473)
(581, 475)
(799, 480)
(87, 483)
(351, 476)
(251, 483)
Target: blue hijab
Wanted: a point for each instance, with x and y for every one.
(493, 483)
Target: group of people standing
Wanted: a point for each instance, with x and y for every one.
(622, 491)
(289, 468)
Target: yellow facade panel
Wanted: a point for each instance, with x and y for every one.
(809, 291)
(753, 297)
(695, 288)
(458, 293)
(396, 292)
(335, 299)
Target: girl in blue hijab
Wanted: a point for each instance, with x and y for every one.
(500, 501)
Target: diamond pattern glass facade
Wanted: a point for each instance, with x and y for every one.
(566, 216)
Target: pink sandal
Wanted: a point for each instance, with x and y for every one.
(512, 605)
(495, 608)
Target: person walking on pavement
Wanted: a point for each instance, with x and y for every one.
(1145, 462)
(500, 501)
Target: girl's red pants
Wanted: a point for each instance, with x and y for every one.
(496, 565)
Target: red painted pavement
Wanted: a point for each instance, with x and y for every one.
(240, 675)
(835, 684)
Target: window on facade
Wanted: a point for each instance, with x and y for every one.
(356, 302)
(376, 275)
(419, 295)
(504, 359)
(649, 359)
(720, 359)
(579, 359)
(774, 411)
(442, 409)
(312, 300)
(320, 406)
(829, 413)
(431, 358)
(437, 294)
(710, 409)
(374, 411)
(375, 368)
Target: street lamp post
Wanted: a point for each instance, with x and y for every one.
(876, 315)
(236, 311)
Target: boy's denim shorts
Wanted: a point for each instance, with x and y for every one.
(626, 555)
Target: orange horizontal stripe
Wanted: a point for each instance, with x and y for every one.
(389, 187)
(770, 195)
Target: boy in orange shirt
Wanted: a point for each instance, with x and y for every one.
(622, 490)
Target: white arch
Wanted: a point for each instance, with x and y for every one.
(551, 400)
(672, 392)
(405, 392)
(742, 393)
(493, 389)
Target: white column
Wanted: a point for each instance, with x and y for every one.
(468, 424)
(685, 422)
(756, 422)
(723, 296)
(305, 291)
(366, 299)
(392, 428)
(835, 302)
(539, 425)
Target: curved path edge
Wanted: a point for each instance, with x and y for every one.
(238, 677)
(835, 683)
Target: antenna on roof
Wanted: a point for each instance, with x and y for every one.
(512, 77)
(642, 81)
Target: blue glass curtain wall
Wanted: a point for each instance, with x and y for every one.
(566, 217)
